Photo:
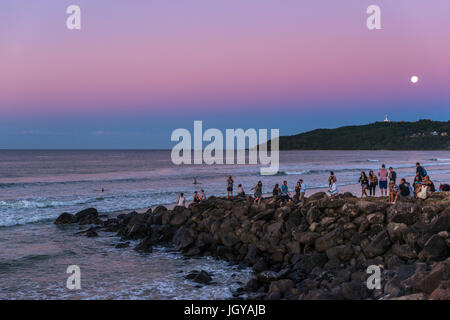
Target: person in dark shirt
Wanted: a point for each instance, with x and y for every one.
(364, 184)
(392, 175)
(404, 190)
(420, 171)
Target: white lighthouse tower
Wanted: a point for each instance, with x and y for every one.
(386, 119)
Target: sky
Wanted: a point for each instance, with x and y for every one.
(139, 69)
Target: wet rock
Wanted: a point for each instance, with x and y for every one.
(66, 218)
(267, 276)
(184, 237)
(87, 216)
(282, 287)
(122, 245)
(145, 245)
(202, 277)
(91, 234)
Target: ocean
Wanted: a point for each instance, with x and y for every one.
(37, 186)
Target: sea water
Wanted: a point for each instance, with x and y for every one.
(37, 186)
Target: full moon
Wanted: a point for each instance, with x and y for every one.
(414, 79)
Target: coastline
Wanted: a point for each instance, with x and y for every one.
(291, 247)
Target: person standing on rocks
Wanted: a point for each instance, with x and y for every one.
(230, 182)
(302, 190)
(422, 173)
(332, 179)
(383, 174)
(392, 175)
(297, 191)
(364, 184)
(373, 182)
(258, 193)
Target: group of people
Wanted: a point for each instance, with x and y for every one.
(387, 180)
(196, 198)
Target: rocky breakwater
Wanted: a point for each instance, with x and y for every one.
(320, 249)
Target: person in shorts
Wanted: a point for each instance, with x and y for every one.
(383, 174)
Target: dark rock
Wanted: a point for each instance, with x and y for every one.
(91, 233)
(440, 272)
(307, 238)
(87, 216)
(122, 245)
(435, 248)
(184, 238)
(404, 212)
(354, 290)
(145, 245)
(343, 253)
(159, 209)
(404, 251)
(266, 215)
(329, 240)
(202, 277)
(267, 276)
(378, 246)
(66, 218)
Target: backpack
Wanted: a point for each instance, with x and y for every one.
(444, 187)
(422, 194)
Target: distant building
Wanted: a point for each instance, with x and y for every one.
(386, 119)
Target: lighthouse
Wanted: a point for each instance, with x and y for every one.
(386, 119)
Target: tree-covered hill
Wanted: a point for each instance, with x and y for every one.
(420, 135)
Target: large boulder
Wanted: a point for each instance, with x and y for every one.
(395, 230)
(66, 218)
(403, 212)
(329, 240)
(184, 238)
(202, 276)
(136, 228)
(179, 216)
(87, 216)
(306, 237)
(145, 245)
(440, 272)
(342, 252)
(378, 246)
(435, 248)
